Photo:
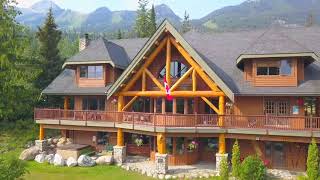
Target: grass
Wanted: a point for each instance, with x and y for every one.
(48, 172)
(13, 138)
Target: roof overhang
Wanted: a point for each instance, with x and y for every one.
(91, 62)
(243, 57)
(166, 26)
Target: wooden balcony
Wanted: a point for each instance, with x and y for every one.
(206, 123)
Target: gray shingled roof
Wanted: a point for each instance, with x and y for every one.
(65, 84)
(220, 51)
(104, 51)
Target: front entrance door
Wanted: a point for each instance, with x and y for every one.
(275, 152)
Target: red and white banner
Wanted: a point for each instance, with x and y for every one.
(166, 86)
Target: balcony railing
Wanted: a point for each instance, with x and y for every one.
(184, 120)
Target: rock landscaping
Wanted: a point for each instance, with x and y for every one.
(138, 164)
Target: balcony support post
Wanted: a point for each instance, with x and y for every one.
(119, 150)
(65, 106)
(41, 143)
(161, 158)
(222, 139)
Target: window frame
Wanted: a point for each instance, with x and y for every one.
(95, 72)
(276, 107)
(276, 64)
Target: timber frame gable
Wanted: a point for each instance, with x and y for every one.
(144, 58)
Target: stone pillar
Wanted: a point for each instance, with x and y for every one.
(119, 154)
(41, 144)
(161, 161)
(219, 158)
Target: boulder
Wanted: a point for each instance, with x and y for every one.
(58, 160)
(55, 140)
(86, 161)
(69, 140)
(62, 140)
(40, 158)
(29, 154)
(71, 162)
(104, 160)
(49, 141)
(49, 158)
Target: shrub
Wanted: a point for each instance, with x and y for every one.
(313, 161)
(252, 168)
(224, 169)
(12, 168)
(236, 163)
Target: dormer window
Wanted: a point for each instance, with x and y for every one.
(281, 67)
(92, 72)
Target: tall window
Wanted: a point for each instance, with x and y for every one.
(94, 72)
(177, 70)
(93, 103)
(281, 67)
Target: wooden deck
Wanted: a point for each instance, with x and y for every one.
(176, 121)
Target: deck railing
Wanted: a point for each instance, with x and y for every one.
(184, 120)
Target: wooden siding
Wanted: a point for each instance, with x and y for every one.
(276, 80)
(254, 105)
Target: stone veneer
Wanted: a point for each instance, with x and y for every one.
(161, 161)
(219, 158)
(41, 144)
(119, 154)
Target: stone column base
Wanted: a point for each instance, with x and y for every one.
(219, 157)
(119, 154)
(161, 161)
(41, 144)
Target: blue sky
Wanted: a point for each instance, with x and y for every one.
(196, 8)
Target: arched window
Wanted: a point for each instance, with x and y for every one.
(177, 69)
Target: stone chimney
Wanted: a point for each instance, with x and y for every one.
(84, 42)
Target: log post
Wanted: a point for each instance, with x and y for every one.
(41, 132)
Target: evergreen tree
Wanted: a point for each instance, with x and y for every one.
(224, 169)
(313, 161)
(119, 35)
(152, 21)
(142, 20)
(49, 37)
(186, 25)
(17, 71)
(236, 164)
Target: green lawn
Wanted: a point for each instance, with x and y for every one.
(13, 137)
(48, 172)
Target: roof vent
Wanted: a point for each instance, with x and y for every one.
(84, 42)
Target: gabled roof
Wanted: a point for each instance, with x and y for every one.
(166, 25)
(274, 43)
(101, 51)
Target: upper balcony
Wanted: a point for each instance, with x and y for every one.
(184, 123)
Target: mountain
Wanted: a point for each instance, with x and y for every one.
(261, 13)
(247, 15)
(100, 20)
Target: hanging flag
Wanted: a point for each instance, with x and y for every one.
(166, 86)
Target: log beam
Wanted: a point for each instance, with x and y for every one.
(194, 80)
(147, 63)
(120, 137)
(213, 107)
(129, 103)
(161, 142)
(181, 79)
(155, 80)
(198, 69)
(144, 85)
(168, 62)
(174, 93)
(222, 139)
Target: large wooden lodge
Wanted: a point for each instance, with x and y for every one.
(261, 87)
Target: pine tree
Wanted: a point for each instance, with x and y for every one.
(49, 37)
(119, 35)
(152, 21)
(17, 73)
(236, 164)
(313, 161)
(142, 20)
(186, 25)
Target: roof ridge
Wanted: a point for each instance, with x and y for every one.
(297, 42)
(256, 40)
